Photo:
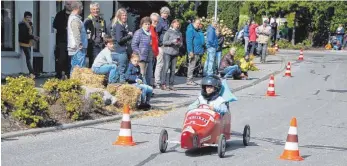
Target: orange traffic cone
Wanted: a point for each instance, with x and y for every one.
(271, 88)
(125, 136)
(288, 72)
(291, 149)
(276, 47)
(301, 56)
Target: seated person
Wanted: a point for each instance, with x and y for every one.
(230, 69)
(103, 63)
(337, 46)
(133, 76)
(243, 66)
(210, 95)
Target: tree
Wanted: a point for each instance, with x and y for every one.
(228, 12)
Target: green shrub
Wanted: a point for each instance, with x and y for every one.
(69, 91)
(23, 101)
(96, 100)
(73, 102)
(53, 88)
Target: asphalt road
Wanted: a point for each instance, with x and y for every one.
(316, 96)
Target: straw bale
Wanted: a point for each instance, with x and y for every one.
(128, 94)
(88, 78)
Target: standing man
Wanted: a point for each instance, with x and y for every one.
(96, 29)
(161, 28)
(195, 48)
(25, 39)
(155, 48)
(211, 44)
(274, 31)
(246, 35)
(340, 32)
(77, 36)
(264, 32)
(61, 57)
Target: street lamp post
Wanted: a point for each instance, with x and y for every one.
(215, 10)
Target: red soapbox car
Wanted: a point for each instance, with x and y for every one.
(203, 127)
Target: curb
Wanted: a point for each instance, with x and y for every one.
(118, 117)
(66, 126)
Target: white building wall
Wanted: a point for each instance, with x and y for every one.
(14, 61)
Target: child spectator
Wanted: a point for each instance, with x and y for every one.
(103, 63)
(133, 76)
(210, 95)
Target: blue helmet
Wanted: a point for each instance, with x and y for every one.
(211, 80)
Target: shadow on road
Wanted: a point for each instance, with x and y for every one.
(337, 91)
(133, 131)
(282, 143)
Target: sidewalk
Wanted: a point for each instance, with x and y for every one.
(170, 100)
(186, 94)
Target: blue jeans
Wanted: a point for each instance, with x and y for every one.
(231, 70)
(340, 38)
(110, 69)
(122, 59)
(217, 60)
(78, 59)
(149, 72)
(146, 92)
(208, 67)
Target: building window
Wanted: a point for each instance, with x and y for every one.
(36, 23)
(7, 26)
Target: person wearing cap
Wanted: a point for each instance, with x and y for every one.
(263, 32)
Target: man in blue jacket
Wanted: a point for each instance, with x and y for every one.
(195, 48)
(211, 44)
(246, 35)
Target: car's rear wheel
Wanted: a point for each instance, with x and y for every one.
(222, 143)
(163, 141)
(246, 135)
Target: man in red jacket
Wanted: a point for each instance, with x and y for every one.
(155, 48)
(252, 36)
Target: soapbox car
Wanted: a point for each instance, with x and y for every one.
(203, 127)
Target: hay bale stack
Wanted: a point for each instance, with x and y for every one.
(271, 51)
(128, 94)
(88, 78)
(113, 88)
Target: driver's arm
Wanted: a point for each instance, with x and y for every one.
(194, 105)
(221, 109)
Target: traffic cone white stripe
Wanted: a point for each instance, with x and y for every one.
(272, 82)
(293, 130)
(288, 66)
(271, 89)
(125, 132)
(126, 117)
(287, 71)
(291, 146)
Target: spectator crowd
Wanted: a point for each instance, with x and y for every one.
(147, 57)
